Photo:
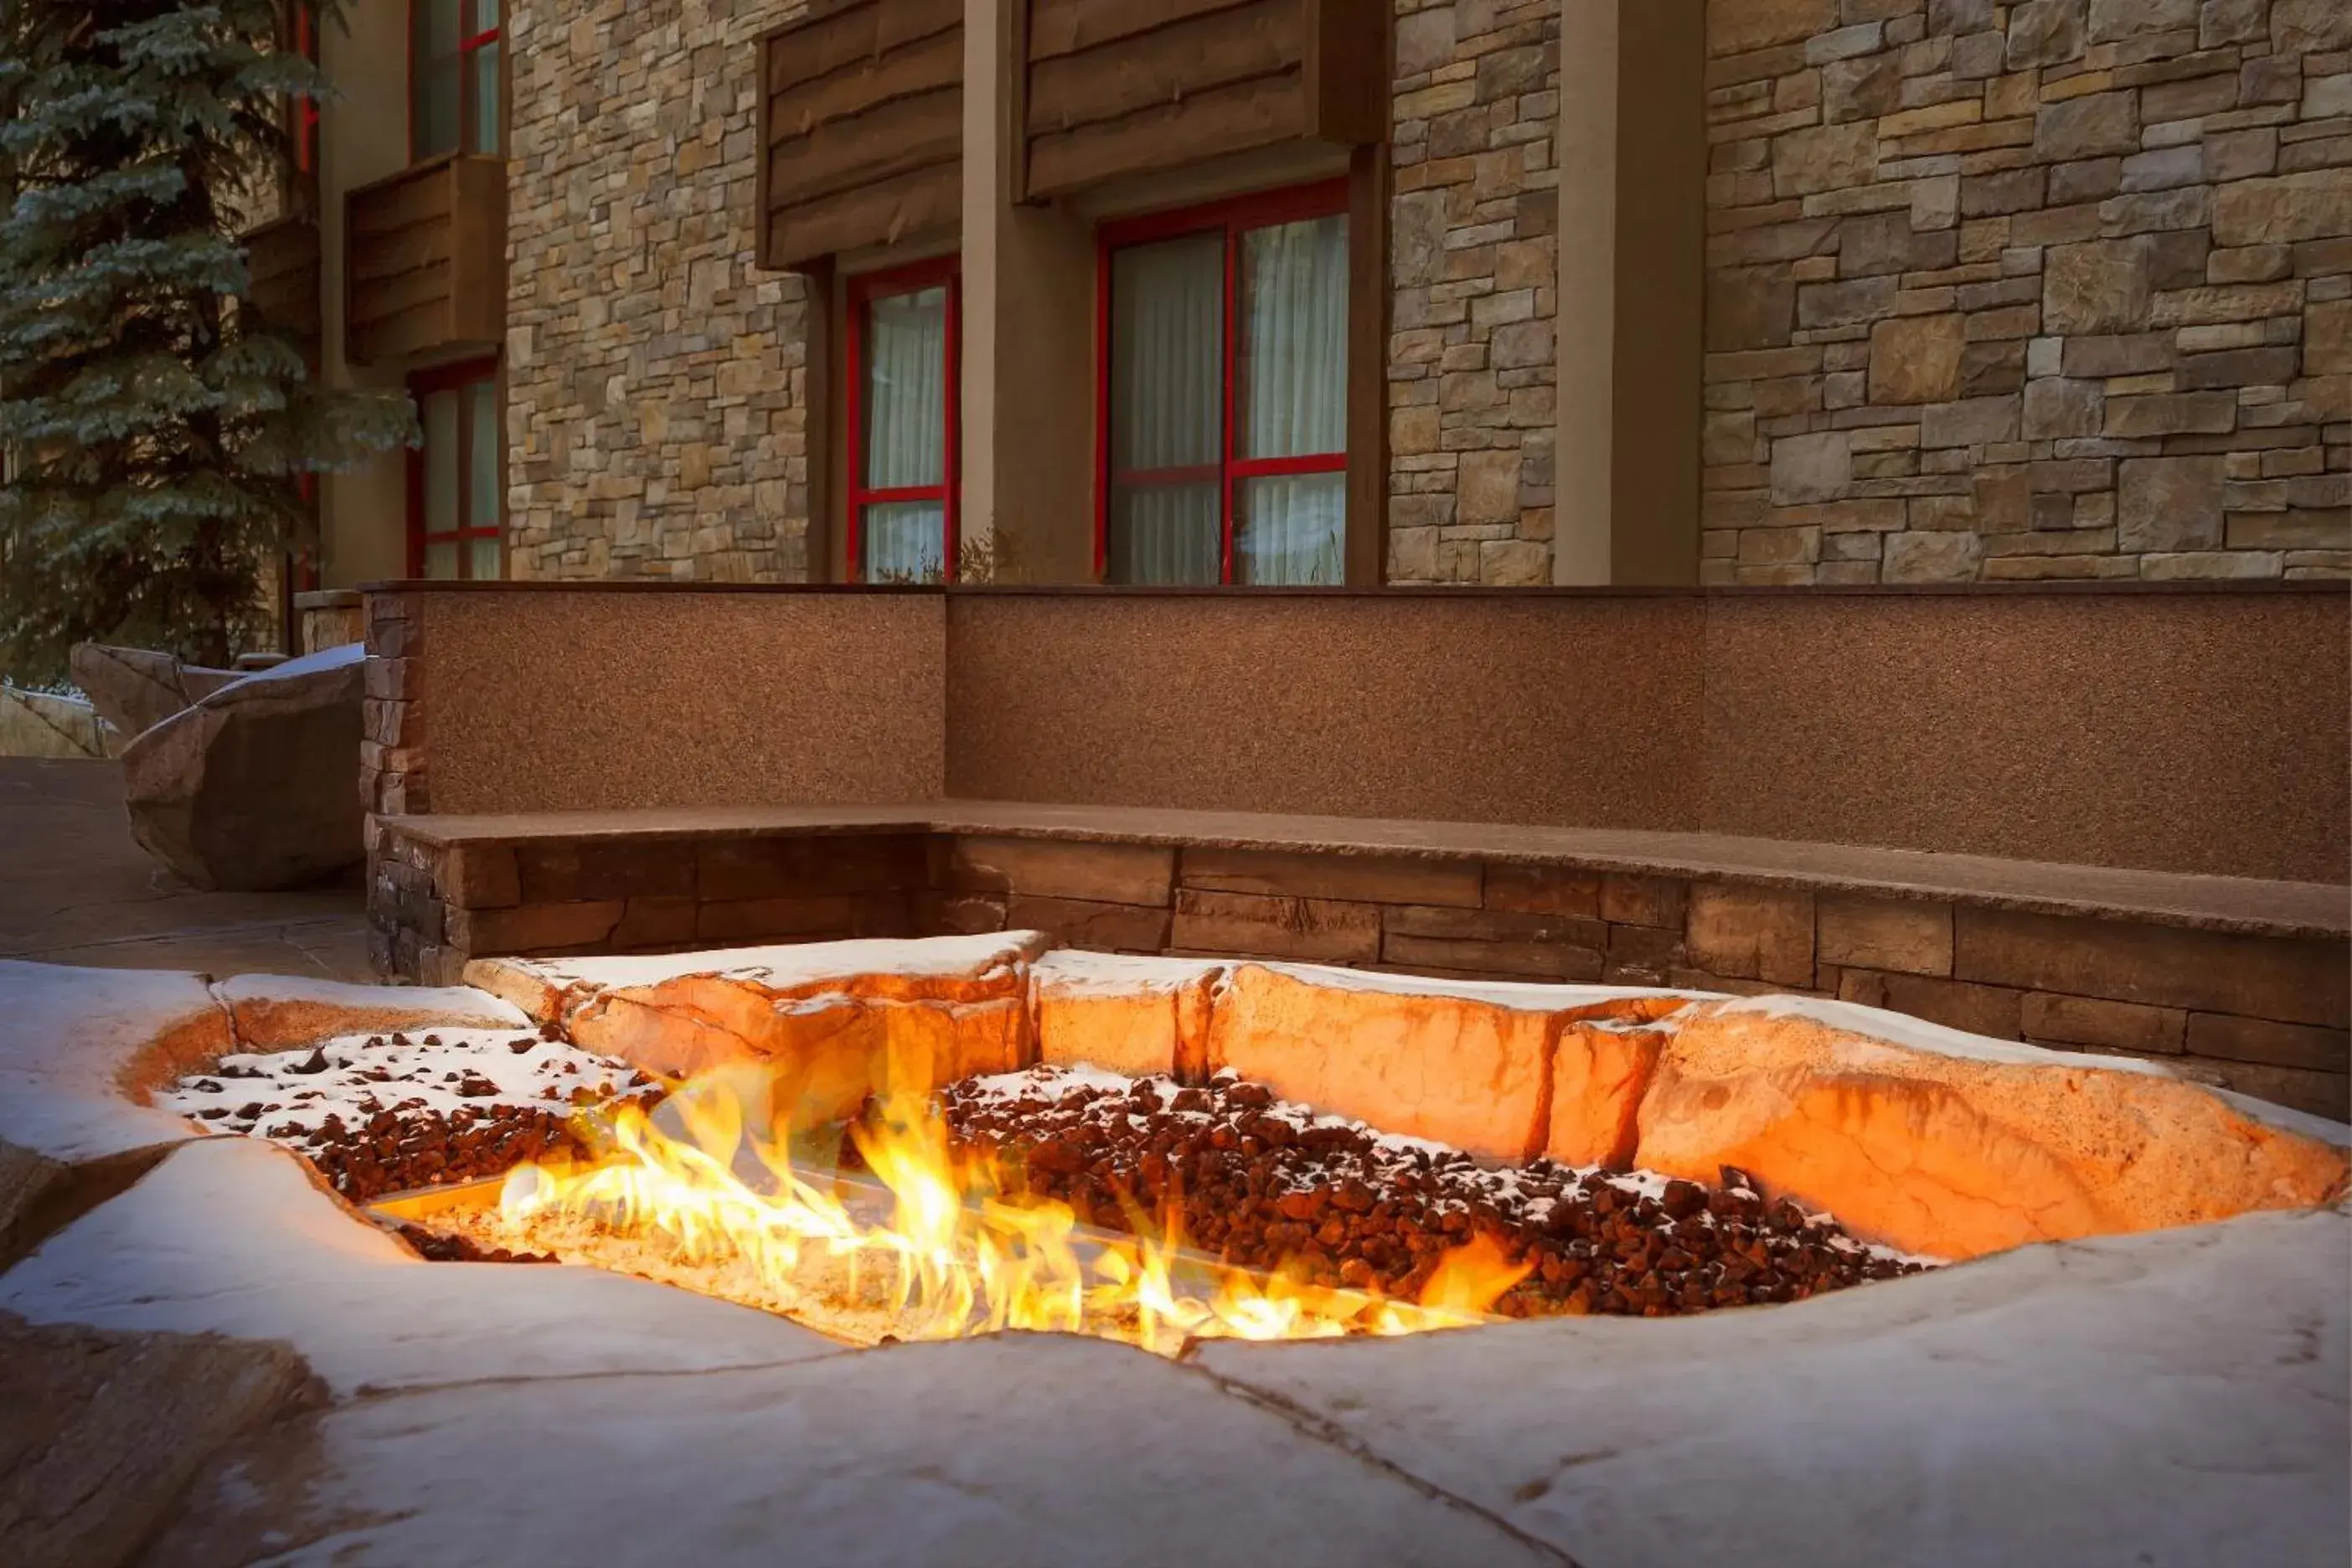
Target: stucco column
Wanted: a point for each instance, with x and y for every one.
(1587, 323)
(1632, 188)
(1027, 379)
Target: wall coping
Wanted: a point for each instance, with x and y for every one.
(2235, 904)
(2263, 588)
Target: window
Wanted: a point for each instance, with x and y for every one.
(1223, 393)
(902, 424)
(453, 78)
(456, 480)
(302, 115)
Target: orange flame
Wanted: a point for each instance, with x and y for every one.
(959, 1254)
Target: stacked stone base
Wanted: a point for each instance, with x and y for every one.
(2264, 1014)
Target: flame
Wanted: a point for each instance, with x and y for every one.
(964, 1250)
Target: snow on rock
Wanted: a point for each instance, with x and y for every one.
(2178, 1396)
(790, 967)
(275, 1010)
(67, 1038)
(234, 1235)
(1136, 1015)
(1041, 1449)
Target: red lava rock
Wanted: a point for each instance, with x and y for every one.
(1254, 1187)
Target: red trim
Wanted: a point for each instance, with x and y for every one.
(1260, 210)
(864, 289)
(447, 378)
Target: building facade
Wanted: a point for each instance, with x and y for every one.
(1362, 292)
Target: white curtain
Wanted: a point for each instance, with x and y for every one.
(1167, 400)
(1294, 388)
(905, 417)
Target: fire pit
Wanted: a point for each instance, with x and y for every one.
(923, 1141)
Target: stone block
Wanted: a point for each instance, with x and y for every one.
(1752, 933)
(1916, 359)
(2110, 1025)
(1135, 1016)
(649, 923)
(2220, 22)
(2314, 204)
(1991, 1011)
(1559, 961)
(1368, 879)
(533, 927)
(2260, 1040)
(578, 869)
(779, 866)
(1327, 931)
(1657, 902)
(2099, 285)
(2169, 503)
(1825, 158)
(1913, 936)
(482, 877)
(2135, 354)
(1845, 304)
(1811, 468)
(2171, 413)
(1600, 1069)
(1741, 27)
(2327, 338)
(2292, 981)
(2308, 26)
(2044, 33)
(1931, 1145)
(2060, 408)
(2113, 20)
(2091, 126)
(1140, 874)
(1487, 487)
(1749, 308)
(1405, 1058)
(1542, 890)
(1083, 924)
(1932, 557)
(1969, 422)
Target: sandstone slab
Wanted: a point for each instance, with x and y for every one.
(38, 724)
(134, 689)
(2178, 1397)
(256, 786)
(1128, 1015)
(1952, 1144)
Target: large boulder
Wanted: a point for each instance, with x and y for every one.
(257, 786)
(40, 724)
(136, 688)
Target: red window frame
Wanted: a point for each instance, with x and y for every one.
(1235, 216)
(469, 43)
(864, 289)
(305, 43)
(445, 378)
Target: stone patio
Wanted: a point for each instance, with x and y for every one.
(2169, 1397)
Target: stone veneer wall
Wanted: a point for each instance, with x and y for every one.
(2061, 289)
(2263, 1014)
(1474, 257)
(656, 393)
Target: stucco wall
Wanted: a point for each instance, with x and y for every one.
(2061, 289)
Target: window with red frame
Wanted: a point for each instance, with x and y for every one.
(454, 96)
(303, 113)
(456, 480)
(902, 424)
(1223, 392)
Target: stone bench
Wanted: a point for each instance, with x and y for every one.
(2232, 980)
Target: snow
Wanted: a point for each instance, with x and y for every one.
(1075, 973)
(65, 1034)
(783, 967)
(460, 1004)
(1527, 995)
(359, 1075)
(234, 1235)
(308, 664)
(2167, 1397)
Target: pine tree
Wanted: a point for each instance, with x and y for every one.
(157, 429)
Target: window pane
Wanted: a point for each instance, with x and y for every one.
(1166, 360)
(441, 515)
(483, 63)
(1166, 533)
(485, 481)
(484, 565)
(1293, 339)
(903, 542)
(441, 560)
(486, 14)
(434, 90)
(1288, 529)
(906, 389)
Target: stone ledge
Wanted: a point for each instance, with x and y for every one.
(2155, 897)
